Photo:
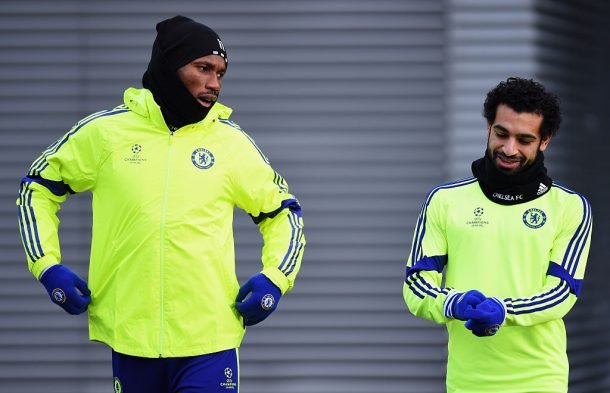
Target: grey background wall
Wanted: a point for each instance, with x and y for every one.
(573, 52)
(363, 107)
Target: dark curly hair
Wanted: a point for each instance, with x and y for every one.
(525, 96)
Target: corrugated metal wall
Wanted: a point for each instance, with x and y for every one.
(345, 97)
(572, 49)
(563, 44)
(350, 99)
(486, 42)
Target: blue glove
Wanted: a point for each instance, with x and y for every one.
(66, 289)
(457, 304)
(486, 318)
(263, 299)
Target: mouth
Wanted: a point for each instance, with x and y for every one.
(206, 100)
(507, 163)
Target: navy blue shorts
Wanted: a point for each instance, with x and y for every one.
(212, 373)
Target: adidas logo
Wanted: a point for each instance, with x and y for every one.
(541, 189)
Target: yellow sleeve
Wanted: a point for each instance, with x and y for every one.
(422, 290)
(68, 165)
(262, 193)
(38, 225)
(284, 243)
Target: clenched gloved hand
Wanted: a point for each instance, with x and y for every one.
(66, 289)
(486, 318)
(263, 298)
(458, 304)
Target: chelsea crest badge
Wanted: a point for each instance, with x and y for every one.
(202, 158)
(534, 218)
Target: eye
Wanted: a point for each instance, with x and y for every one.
(525, 141)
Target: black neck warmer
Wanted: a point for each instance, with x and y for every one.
(507, 189)
(179, 41)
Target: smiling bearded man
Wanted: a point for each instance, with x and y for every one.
(499, 257)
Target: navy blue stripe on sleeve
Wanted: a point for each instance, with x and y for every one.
(579, 239)
(295, 247)
(557, 271)
(293, 262)
(28, 224)
(541, 302)
(435, 289)
(279, 181)
(558, 295)
(56, 187)
(27, 238)
(436, 263)
(291, 204)
(418, 286)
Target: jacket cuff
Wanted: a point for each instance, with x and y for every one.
(42, 264)
(449, 301)
(278, 278)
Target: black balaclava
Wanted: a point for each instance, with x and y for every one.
(179, 41)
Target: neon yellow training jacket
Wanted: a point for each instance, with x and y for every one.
(162, 267)
(531, 255)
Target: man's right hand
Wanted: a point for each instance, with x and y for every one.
(66, 289)
(457, 305)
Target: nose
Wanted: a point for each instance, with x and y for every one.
(510, 147)
(214, 82)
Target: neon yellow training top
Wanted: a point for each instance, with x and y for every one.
(162, 267)
(531, 255)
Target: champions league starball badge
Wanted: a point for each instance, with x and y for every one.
(228, 373)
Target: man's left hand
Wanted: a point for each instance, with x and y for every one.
(263, 298)
(486, 318)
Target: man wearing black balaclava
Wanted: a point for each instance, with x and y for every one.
(180, 41)
(166, 170)
(500, 257)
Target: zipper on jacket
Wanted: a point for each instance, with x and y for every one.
(162, 238)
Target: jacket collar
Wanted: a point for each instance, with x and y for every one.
(141, 101)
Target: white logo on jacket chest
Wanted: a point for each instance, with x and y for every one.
(202, 158)
(477, 220)
(136, 156)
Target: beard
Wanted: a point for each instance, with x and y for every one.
(522, 162)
